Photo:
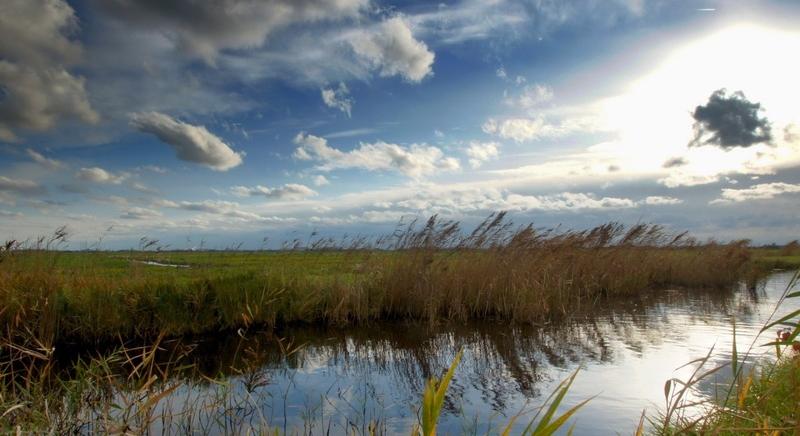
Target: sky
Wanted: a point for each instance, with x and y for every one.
(222, 122)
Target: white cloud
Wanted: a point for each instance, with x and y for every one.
(320, 180)
(677, 179)
(141, 187)
(459, 201)
(526, 129)
(391, 48)
(192, 143)
(530, 96)
(761, 191)
(480, 152)
(338, 98)
(228, 209)
(153, 169)
(10, 214)
(99, 175)
(368, 216)
(566, 201)
(35, 49)
(661, 201)
(414, 161)
(51, 164)
(20, 186)
(287, 191)
(139, 213)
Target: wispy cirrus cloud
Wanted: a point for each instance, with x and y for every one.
(532, 129)
(140, 213)
(46, 162)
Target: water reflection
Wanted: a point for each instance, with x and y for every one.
(316, 380)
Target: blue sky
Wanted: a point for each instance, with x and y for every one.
(231, 120)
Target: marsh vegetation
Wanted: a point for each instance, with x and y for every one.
(126, 342)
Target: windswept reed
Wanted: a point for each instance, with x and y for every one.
(427, 271)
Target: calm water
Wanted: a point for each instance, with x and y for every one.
(341, 380)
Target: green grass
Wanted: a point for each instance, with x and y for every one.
(775, 258)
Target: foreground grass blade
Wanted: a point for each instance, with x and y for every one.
(433, 398)
(547, 425)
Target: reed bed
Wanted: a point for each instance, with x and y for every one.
(428, 271)
(431, 271)
(761, 398)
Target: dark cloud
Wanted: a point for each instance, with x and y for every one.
(36, 48)
(729, 121)
(675, 162)
(203, 28)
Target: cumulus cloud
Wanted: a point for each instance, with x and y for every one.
(392, 49)
(730, 121)
(203, 29)
(763, 191)
(139, 213)
(20, 186)
(287, 191)
(480, 152)
(35, 50)
(675, 162)
(414, 161)
(661, 201)
(191, 143)
(338, 98)
(527, 129)
(51, 164)
(99, 175)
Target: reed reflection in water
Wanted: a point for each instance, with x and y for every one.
(314, 380)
